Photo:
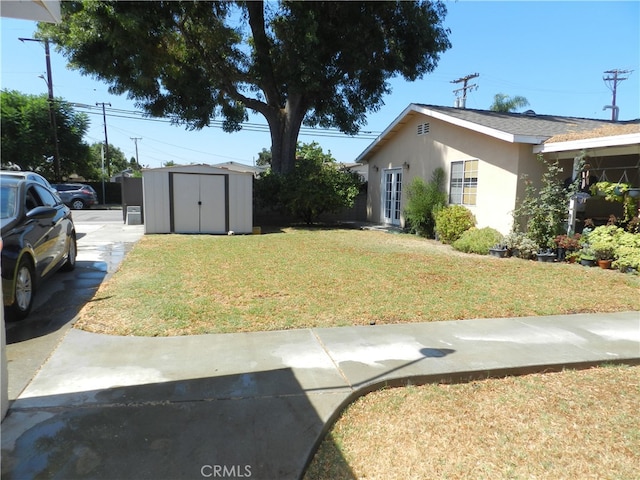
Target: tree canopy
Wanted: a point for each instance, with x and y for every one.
(319, 63)
(26, 134)
(505, 104)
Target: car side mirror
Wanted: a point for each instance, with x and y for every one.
(41, 213)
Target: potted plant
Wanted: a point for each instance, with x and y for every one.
(566, 244)
(546, 255)
(587, 257)
(603, 252)
(520, 245)
(619, 192)
(499, 250)
(572, 256)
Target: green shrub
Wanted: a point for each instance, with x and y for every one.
(627, 252)
(520, 245)
(317, 185)
(478, 240)
(452, 222)
(423, 201)
(543, 210)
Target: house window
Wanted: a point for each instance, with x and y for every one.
(423, 129)
(463, 188)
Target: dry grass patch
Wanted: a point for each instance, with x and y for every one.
(183, 285)
(568, 425)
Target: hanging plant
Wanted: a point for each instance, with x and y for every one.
(618, 192)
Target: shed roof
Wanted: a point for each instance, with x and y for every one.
(528, 127)
(196, 168)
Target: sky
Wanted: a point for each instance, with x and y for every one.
(555, 54)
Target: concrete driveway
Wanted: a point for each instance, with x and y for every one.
(103, 241)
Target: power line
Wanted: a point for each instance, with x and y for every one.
(251, 127)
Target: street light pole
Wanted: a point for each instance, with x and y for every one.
(52, 114)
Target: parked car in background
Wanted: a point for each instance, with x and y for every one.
(76, 195)
(36, 177)
(38, 238)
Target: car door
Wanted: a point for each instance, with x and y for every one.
(59, 225)
(42, 234)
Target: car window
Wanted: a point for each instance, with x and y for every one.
(47, 198)
(8, 201)
(32, 200)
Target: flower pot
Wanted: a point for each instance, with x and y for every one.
(605, 264)
(634, 192)
(546, 257)
(498, 252)
(587, 262)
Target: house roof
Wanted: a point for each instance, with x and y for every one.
(38, 10)
(525, 127)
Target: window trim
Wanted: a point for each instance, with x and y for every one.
(463, 187)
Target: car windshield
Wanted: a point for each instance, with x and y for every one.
(8, 203)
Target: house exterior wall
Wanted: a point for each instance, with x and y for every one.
(499, 167)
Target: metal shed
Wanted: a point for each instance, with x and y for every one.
(197, 199)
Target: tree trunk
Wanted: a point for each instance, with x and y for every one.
(284, 125)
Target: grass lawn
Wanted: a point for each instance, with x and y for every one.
(562, 425)
(567, 425)
(299, 278)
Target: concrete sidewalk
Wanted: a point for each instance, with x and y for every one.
(255, 405)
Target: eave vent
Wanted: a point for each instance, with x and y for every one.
(423, 129)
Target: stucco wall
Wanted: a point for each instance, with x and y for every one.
(500, 164)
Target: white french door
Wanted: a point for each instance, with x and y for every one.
(392, 196)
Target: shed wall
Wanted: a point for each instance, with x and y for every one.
(156, 201)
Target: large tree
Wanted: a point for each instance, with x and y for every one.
(319, 63)
(27, 139)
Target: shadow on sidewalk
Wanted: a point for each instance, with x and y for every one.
(234, 425)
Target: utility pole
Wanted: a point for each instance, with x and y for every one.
(106, 140)
(462, 102)
(612, 81)
(52, 113)
(135, 140)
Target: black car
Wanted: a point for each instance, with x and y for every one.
(77, 195)
(38, 238)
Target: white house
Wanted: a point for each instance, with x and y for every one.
(485, 154)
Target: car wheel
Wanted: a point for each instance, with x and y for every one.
(72, 251)
(23, 291)
(77, 204)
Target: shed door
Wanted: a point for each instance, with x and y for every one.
(199, 203)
